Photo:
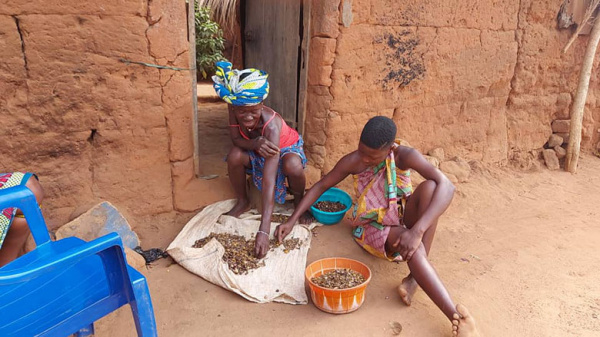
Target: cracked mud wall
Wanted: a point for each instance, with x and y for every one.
(482, 79)
(91, 126)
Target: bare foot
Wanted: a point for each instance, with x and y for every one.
(240, 207)
(464, 326)
(407, 289)
(306, 218)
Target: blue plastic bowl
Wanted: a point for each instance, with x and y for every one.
(334, 195)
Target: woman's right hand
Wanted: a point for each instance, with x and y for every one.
(265, 148)
(283, 230)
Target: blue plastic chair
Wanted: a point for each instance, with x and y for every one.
(62, 287)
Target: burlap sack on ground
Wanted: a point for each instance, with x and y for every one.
(280, 280)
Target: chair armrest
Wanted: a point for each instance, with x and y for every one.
(60, 260)
(22, 198)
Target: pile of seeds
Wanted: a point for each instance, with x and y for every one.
(339, 279)
(330, 206)
(239, 252)
(280, 218)
(288, 245)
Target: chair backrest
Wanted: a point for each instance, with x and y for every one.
(64, 286)
(22, 198)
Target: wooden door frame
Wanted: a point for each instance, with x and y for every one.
(304, 59)
(193, 73)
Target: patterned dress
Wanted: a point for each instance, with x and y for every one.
(382, 193)
(8, 180)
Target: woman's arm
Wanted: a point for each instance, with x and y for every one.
(272, 132)
(342, 169)
(444, 190)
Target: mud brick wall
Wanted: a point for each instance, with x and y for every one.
(91, 126)
(481, 79)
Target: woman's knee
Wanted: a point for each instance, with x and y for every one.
(236, 156)
(292, 166)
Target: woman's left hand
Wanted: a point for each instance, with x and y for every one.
(265, 148)
(407, 243)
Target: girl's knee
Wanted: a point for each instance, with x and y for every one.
(427, 186)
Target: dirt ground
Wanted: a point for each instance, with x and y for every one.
(519, 249)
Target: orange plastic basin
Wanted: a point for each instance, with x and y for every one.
(337, 301)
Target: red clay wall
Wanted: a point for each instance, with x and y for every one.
(482, 79)
(61, 78)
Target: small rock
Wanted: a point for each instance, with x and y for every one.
(458, 167)
(555, 140)
(551, 159)
(564, 136)
(438, 153)
(134, 259)
(433, 161)
(561, 125)
(560, 152)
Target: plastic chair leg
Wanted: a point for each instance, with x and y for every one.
(141, 308)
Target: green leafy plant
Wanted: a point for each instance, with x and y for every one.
(209, 42)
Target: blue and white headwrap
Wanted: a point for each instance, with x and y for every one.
(252, 89)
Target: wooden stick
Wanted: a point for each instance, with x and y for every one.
(580, 98)
(193, 74)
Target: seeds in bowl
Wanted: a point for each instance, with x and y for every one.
(339, 279)
(330, 206)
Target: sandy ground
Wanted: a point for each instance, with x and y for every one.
(519, 249)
